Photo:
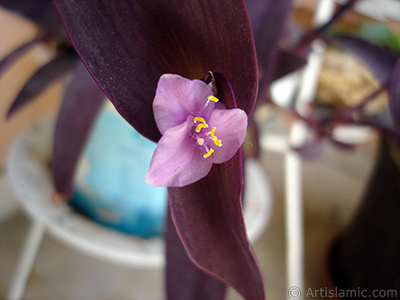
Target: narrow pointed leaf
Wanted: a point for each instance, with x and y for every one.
(80, 104)
(41, 12)
(47, 74)
(210, 225)
(208, 217)
(184, 280)
(12, 57)
(394, 95)
(366, 254)
(378, 60)
(127, 45)
(268, 18)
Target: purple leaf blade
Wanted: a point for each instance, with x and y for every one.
(183, 278)
(13, 56)
(128, 45)
(268, 20)
(394, 95)
(47, 74)
(378, 60)
(207, 215)
(81, 102)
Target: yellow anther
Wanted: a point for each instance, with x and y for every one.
(213, 98)
(212, 133)
(199, 119)
(200, 126)
(214, 138)
(211, 151)
(218, 142)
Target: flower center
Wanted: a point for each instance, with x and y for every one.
(202, 133)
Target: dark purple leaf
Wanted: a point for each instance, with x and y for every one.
(12, 57)
(208, 217)
(185, 280)
(127, 45)
(80, 104)
(394, 95)
(268, 19)
(287, 63)
(47, 74)
(41, 12)
(365, 255)
(378, 60)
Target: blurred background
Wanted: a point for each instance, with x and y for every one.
(333, 181)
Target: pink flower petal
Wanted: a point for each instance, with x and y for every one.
(176, 98)
(231, 126)
(177, 161)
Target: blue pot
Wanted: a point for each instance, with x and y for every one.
(110, 187)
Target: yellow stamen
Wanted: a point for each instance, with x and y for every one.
(214, 138)
(212, 133)
(218, 142)
(211, 151)
(198, 119)
(213, 98)
(200, 126)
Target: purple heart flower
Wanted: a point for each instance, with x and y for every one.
(197, 131)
